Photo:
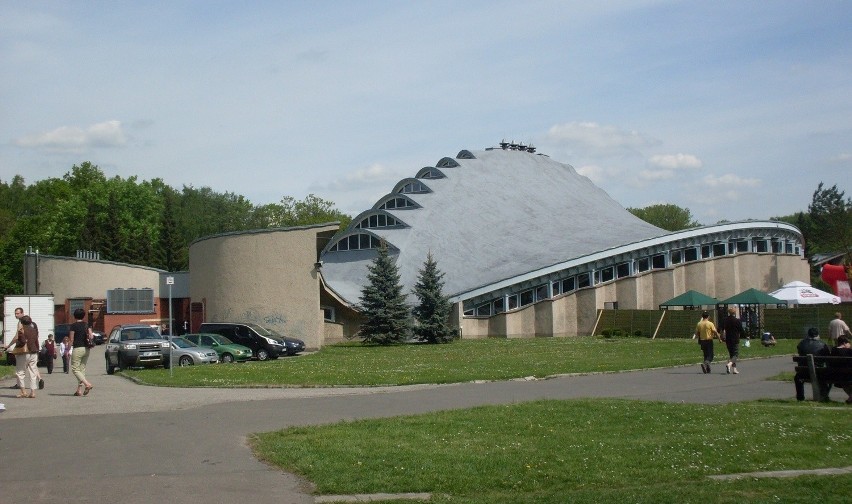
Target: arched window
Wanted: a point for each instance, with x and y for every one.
(465, 154)
(379, 220)
(357, 241)
(398, 203)
(447, 163)
(413, 188)
(430, 173)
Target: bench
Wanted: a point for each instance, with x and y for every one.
(823, 370)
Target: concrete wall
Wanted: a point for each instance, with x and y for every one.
(267, 277)
(68, 277)
(575, 313)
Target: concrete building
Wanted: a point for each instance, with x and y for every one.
(528, 247)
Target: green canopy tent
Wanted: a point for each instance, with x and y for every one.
(750, 302)
(690, 300)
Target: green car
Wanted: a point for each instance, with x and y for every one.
(228, 350)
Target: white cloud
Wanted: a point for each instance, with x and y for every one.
(730, 181)
(75, 139)
(843, 157)
(594, 172)
(656, 174)
(675, 161)
(599, 138)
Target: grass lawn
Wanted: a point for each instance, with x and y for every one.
(582, 451)
(460, 361)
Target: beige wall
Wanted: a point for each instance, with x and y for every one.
(267, 277)
(68, 277)
(575, 314)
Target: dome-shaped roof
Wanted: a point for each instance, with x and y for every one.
(495, 215)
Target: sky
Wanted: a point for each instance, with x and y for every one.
(732, 109)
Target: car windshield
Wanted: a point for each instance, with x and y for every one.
(139, 333)
(222, 340)
(269, 333)
(182, 343)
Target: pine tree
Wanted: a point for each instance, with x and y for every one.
(433, 309)
(386, 316)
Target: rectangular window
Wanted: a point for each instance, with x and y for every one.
(569, 284)
(513, 301)
(719, 249)
(677, 256)
(643, 264)
(541, 293)
(788, 248)
(658, 261)
(706, 252)
(584, 280)
(690, 254)
(343, 244)
(328, 313)
(732, 248)
(608, 274)
(776, 247)
(527, 297)
(484, 310)
(498, 306)
(353, 242)
(130, 301)
(469, 313)
(622, 270)
(374, 221)
(761, 246)
(557, 288)
(742, 246)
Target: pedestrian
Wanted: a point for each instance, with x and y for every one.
(705, 331)
(65, 351)
(732, 329)
(843, 349)
(49, 353)
(81, 341)
(810, 344)
(837, 327)
(19, 313)
(26, 357)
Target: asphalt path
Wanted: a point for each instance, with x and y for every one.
(135, 444)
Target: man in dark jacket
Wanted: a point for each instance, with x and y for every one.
(811, 345)
(732, 329)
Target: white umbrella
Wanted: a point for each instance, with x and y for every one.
(802, 293)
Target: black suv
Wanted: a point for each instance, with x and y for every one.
(264, 343)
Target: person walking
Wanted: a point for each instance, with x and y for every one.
(837, 327)
(50, 353)
(810, 344)
(732, 329)
(706, 331)
(81, 341)
(26, 339)
(65, 351)
(19, 313)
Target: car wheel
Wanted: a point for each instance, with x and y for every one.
(109, 368)
(262, 354)
(185, 360)
(228, 358)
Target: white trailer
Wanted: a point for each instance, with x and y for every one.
(38, 307)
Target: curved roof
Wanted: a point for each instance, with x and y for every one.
(496, 215)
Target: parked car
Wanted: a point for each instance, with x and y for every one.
(228, 350)
(187, 353)
(135, 345)
(264, 343)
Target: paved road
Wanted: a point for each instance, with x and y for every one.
(134, 444)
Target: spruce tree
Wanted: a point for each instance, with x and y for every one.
(386, 316)
(433, 309)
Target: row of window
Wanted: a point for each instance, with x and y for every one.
(413, 188)
(378, 221)
(360, 241)
(628, 268)
(397, 203)
(130, 301)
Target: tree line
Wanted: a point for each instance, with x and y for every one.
(127, 220)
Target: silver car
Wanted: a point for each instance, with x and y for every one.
(187, 353)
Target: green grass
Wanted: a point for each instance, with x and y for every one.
(460, 361)
(578, 451)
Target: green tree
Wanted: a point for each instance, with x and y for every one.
(386, 316)
(290, 212)
(432, 312)
(830, 215)
(666, 216)
(170, 253)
